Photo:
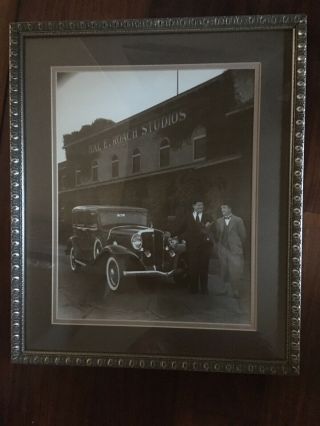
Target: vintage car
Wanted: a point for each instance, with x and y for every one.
(121, 239)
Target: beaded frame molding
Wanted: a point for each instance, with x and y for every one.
(18, 33)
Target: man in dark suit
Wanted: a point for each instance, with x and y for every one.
(195, 230)
(230, 236)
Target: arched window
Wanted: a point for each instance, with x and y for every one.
(164, 153)
(199, 138)
(115, 166)
(136, 161)
(94, 170)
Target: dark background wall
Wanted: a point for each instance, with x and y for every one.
(34, 395)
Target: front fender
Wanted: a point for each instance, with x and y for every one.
(119, 251)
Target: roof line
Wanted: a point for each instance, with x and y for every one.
(154, 107)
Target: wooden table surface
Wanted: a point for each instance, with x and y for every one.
(34, 395)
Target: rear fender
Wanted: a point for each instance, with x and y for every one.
(69, 244)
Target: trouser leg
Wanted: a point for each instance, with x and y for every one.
(204, 266)
(193, 272)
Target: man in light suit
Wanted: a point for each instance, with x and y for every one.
(230, 236)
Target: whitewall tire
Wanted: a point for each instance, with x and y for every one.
(97, 249)
(73, 264)
(114, 273)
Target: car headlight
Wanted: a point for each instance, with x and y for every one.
(136, 241)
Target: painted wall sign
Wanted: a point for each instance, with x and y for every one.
(152, 126)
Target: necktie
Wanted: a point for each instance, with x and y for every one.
(197, 218)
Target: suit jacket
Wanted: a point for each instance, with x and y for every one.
(235, 234)
(196, 235)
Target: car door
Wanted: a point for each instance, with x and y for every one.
(92, 235)
(83, 234)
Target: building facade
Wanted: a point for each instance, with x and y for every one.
(196, 145)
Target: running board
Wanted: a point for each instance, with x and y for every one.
(151, 273)
(80, 263)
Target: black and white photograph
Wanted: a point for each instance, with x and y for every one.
(154, 207)
(157, 193)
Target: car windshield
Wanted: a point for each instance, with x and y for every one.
(123, 218)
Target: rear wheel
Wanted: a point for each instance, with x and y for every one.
(114, 273)
(97, 249)
(73, 264)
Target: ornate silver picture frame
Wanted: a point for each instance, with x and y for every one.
(156, 190)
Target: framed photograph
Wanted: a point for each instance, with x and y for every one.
(157, 170)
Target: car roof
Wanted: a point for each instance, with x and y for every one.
(108, 208)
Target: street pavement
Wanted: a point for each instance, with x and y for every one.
(82, 297)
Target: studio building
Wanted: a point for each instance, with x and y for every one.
(197, 144)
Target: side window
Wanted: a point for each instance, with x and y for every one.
(199, 138)
(74, 219)
(136, 161)
(164, 153)
(115, 166)
(91, 219)
(94, 170)
(79, 218)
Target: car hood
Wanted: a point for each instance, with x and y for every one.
(128, 230)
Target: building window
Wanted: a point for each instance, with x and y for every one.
(94, 170)
(62, 214)
(78, 177)
(64, 182)
(136, 160)
(199, 143)
(164, 153)
(115, 166)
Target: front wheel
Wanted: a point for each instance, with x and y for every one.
(114, 273)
